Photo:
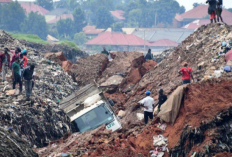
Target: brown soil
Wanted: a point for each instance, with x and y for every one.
(224, 154)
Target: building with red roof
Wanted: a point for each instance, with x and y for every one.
(55, 19)
(127, 42)
(5, 1)
(31, 7)
(118, 15)
(92, 31)
(198, 13)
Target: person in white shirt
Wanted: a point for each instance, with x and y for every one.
(148, 104)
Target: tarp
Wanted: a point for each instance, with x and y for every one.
(228, 56)
(170, 109)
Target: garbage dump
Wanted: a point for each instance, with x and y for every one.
(13, 146)
(204, 114)
(39, 120)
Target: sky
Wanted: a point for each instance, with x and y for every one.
(189, 3)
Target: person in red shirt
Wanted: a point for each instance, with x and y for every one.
(16, 53)
(186, 73)
(24, 52)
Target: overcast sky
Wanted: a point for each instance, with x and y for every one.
(189, 3)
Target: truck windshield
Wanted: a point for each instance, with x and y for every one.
(93, 119)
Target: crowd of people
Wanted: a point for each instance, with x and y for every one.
(21, 72)
(215, 10)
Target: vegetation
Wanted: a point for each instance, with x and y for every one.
(47, 4)
(35, 24)
(69, 43)
(29, 38)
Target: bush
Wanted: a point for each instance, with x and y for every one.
(29, 37)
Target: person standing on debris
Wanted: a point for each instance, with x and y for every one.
(105, 52)
(4, 63)
(148, 104)
(149, 55)
(28, 80)
(212, 10)
(24, 52)
(16, 74)
(15, 54)
(219, 10)
(186, 73)
(162, 99)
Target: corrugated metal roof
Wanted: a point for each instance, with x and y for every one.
(164, 43)
(109, 38)
(31, 7)
(175, 35)
(61, 17)
(5, 1)
(92, 30)
(118, 14)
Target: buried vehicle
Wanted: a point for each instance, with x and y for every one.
(88, 109)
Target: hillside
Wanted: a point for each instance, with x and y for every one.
(204, 116)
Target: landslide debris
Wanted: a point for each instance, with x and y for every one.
(203, 126)
(13, 146)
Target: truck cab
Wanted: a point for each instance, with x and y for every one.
(89, 109)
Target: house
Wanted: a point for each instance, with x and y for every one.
(127, 42)
(198, 13)
(31, 7)
(2, 2)
(55, 19)
(92, 31)
(196, 24)
(118, 15)
(52, 39)
(155, 34)
(57, 14)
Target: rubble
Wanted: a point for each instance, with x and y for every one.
(13, 146)
(204, 116)
(39, 120)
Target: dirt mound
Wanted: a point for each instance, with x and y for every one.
(87, 70)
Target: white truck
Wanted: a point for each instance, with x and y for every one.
(88, 109)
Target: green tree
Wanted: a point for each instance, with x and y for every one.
(103, 18)
(79, 20)
(195, 5)
(117, 27)
(135, 17)
(35, 24)
(80, 38)
(65, 28)
(181, 10)
(47, 4)
(11, 16)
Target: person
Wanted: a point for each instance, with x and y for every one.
(149, 55)
(105, 52)
(28, 80)
(24, 52)
(16, 53)
(162, 99)
(4, 63)
(16, 74)
(219, 10)
(186, 73)
(212, 10)
(148, 104)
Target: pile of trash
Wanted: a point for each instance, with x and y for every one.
(39, 120)
(13, 146)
